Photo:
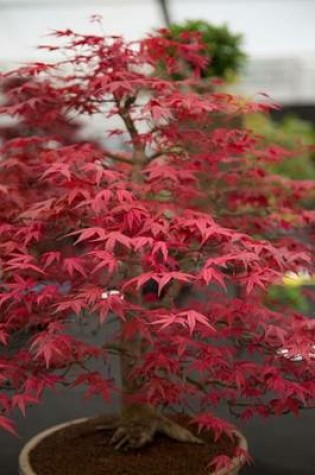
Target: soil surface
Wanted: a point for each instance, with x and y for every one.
(82, 450)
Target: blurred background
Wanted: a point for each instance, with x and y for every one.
(278, 35)
(267, 46)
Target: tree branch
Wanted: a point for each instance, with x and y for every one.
(117, 157)
(123, 111)
(139, 157)
(165, 152)
(203, 387)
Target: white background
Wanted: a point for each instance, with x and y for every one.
(279, 35)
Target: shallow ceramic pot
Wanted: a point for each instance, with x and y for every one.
(25, 467)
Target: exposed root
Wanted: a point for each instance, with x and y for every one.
(138, 424)
(177, 432)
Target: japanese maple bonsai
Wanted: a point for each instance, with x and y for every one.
(154, 236)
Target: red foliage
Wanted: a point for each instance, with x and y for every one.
(185, 207)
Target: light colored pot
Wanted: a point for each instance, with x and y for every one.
(25, 467)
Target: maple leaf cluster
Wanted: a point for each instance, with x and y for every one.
(172, 238)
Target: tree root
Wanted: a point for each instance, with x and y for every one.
(138, 425)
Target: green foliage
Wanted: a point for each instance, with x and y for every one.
(280, 295)
(223, 48)
(292, 134)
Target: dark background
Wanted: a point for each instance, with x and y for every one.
(279, 446)
(304, 112)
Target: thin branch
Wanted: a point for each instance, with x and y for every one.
(203, 387)
(123, 111)
(166, 151)
(139, 157)
(238, 213)
(165, 12)
(117, 157)
(271, 411)
(116, 347)
(102, 101)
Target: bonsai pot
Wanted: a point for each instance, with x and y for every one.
(26, 468)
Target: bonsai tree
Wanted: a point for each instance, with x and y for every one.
(89, 233)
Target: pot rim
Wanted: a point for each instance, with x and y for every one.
(25, 467)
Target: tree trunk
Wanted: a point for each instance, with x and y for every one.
(165, 12)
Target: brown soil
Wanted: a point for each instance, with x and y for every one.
(81, 450)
